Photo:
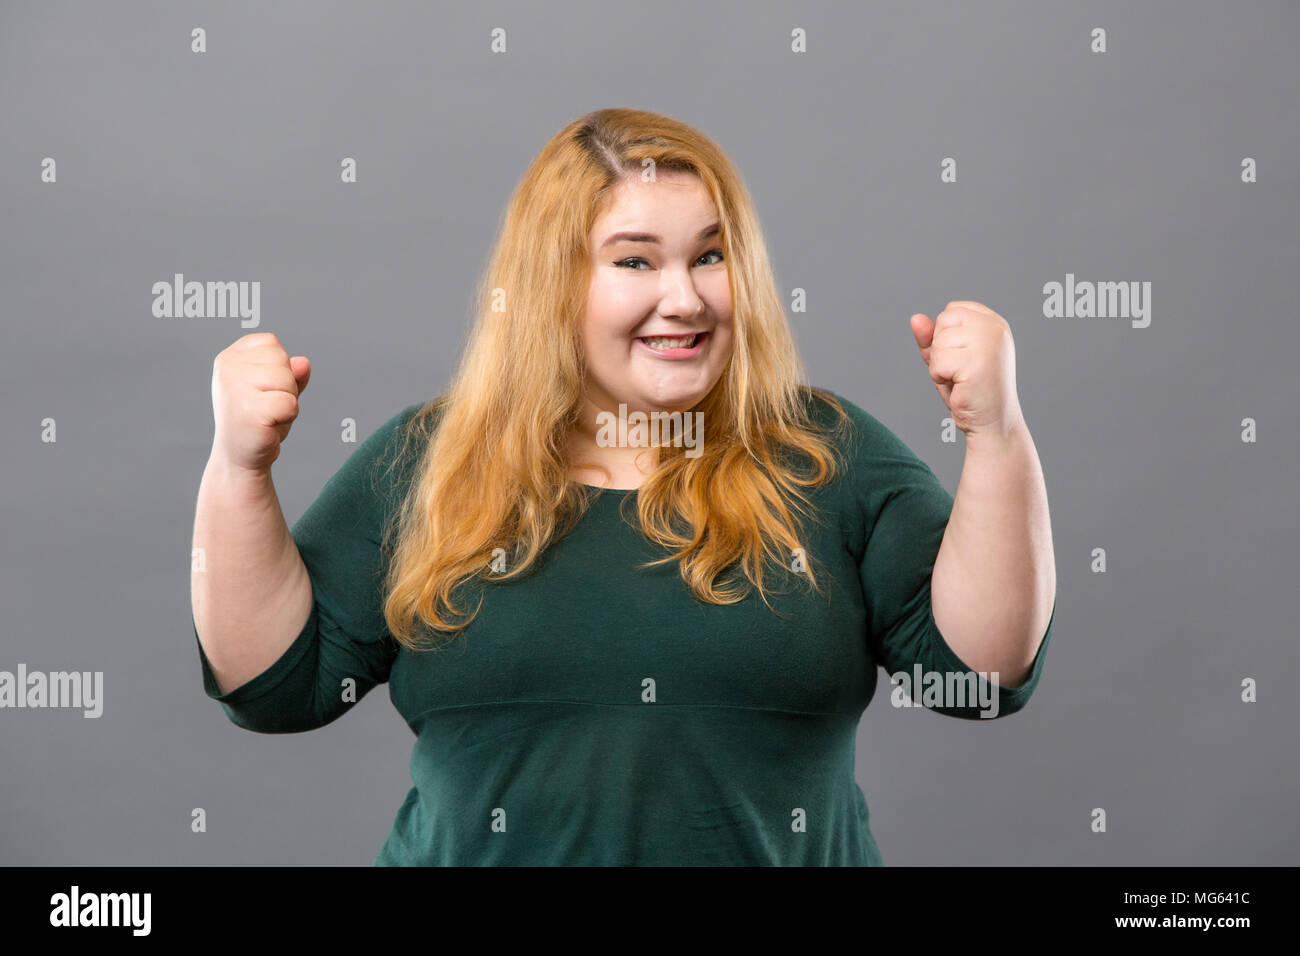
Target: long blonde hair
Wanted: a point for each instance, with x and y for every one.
(495, 471)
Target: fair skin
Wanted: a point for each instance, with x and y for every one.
(994, 579)
(251, 593)
(665, 280)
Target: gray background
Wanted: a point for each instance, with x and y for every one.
(1122, 166)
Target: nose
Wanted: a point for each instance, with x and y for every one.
(680, 300)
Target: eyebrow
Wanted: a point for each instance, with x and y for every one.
(649, 237)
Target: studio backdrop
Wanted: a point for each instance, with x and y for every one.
(1117, 180)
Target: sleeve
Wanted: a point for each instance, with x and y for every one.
(905, 510)
(345, 636)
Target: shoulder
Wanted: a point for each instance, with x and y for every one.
(418, 414)
(414, 424)
(877, 465)
(857, 432)
(392, 450)
(879, 469)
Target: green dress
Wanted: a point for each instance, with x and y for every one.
(595, 713)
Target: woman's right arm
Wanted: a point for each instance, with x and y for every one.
(250, 591)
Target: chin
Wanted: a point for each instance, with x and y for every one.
(672, 398)
(672, 403)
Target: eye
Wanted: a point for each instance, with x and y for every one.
(623, 263)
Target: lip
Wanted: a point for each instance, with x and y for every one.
(701, 340)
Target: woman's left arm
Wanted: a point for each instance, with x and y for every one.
(993, 587)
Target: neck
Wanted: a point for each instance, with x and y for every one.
(605, 466)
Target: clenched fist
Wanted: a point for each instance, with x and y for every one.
(972, 361)
(255, 390)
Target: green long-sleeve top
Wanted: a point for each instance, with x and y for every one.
(595, 712)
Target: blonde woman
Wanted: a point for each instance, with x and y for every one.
(628, 579)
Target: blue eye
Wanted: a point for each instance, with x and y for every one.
(622, 263)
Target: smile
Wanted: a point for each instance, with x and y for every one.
(674, 347)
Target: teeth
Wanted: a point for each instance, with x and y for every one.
(663, 343)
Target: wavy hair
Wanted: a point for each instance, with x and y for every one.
(495, 470)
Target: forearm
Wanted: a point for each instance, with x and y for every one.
(249, 589)
(994, 580)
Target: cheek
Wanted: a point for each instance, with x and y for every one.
(616, 298)
(726, 342)
(720, 293)
(608, 342)
(612, 316)
(605, 345)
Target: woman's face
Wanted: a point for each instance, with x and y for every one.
(664, 280)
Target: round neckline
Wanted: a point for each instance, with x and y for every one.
(600, 490)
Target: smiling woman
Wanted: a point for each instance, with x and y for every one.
(610, 653)
(656, 330)
(627, 226)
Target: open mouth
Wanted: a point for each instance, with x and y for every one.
(663, 343)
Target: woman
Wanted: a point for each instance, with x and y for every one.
(619, 644)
